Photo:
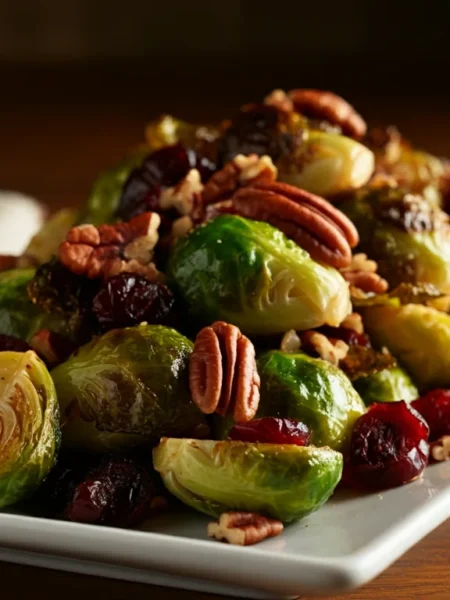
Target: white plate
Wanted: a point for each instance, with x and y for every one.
(344, 545)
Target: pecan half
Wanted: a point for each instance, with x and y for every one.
(108, 250)
(312, 222)
(223, 377)
(322, 105)
(440, 449)
(362, 274)
(242, 170)
(244, 528)
(331, 351)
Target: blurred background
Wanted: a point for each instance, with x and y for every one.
(79, 78)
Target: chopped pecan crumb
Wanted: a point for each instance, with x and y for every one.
(244, 528)
(323, 105)
(108, 250)
(280, 100)
(290, 342)
(440, 449)
(312, 222)
(331, 351)
(183, 196)
(362, 274)
(223, 377)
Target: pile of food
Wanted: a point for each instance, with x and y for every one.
(240, 318)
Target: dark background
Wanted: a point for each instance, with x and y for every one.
(79, 78)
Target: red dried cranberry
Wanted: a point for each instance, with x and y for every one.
(389, 447)
(435, 409)
(161, 169)
(349, 336)
(256, 130)
(13, 344)
(270, 430)
(129, 299)
(118, 493)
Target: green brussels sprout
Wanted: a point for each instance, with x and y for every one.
(328, 164)
(419, 336)
(297, 386)
(106, 190)
(19, 317)
(389, 385)
(285, 482)
(29, 425)
(249, 274)
(44, 245)
(408, 237)
(125, 387)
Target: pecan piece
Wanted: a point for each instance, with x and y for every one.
(312, 222)
(280, 100)
(185, 195)
(108, 250)
(322, 105)
(241, 171)
(331, 351)
(440, 449)
(223, 377)
(244, 528)
(362, 275)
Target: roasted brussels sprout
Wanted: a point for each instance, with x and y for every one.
(106, 190)
(389, 385)
(125, 387)
(286, 482)
(310, 390)
(409, 238)
(29, 425)
(18, 315)
(328, 164)
(419, 336)
(44, 244)
(249, 274)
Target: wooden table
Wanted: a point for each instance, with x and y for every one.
(58, 130)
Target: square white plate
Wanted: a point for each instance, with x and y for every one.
(344, 545)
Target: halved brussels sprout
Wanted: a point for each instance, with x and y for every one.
(285, 482)
(389, 385)
(328, 164)
(299, 387)
(29, 425)
(249, 274)
(419, 336)
(125, 387)
(407, 236)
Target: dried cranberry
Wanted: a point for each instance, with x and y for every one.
(271, 430)
(57, 490)
(435, 409)
(129, 299)
(13, 344)
(389, 447)
(119, 492)
(161, 169)
(256, 130)
(52, 347)
(349, 336)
